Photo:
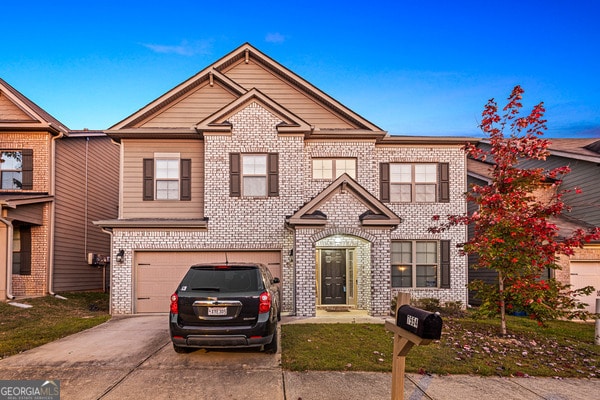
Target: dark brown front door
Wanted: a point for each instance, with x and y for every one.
(333, 276)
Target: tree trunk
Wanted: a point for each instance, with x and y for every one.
(502, 304)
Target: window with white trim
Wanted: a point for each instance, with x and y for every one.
(254, 174)
(413, 183)
(415, 264)
(333, 168)
(166, 176)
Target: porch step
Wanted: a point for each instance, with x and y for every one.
(341, 308)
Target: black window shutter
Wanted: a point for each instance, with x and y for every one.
(444, 182)
(273, 176)
(25, 250)
(148, 179)
(445, 264)
(384, 181)
(27, 169)
(234, 175)
(186, 180)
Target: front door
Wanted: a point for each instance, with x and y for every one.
(333, 276)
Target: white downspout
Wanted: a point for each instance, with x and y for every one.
(52, 214)
(9, 256)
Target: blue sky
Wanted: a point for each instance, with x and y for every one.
(410, 67)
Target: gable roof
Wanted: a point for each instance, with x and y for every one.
(19, 113)
(377, 213)
(226, 73)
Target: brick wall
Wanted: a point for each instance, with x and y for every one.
(259, 223)
(35, 284)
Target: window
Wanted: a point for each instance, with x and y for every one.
(21, 260)
(167, 177)
(414, 182)
(16, 169)
(254, 175)
(416, 263)
(332, 168)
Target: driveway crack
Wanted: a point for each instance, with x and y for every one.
(128, 373)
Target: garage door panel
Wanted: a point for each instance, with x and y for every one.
(157, 274)
(586, 274)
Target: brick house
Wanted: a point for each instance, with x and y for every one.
(247, 161)
(583, 157)
(48, 199)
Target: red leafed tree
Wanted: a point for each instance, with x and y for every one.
(514, 235)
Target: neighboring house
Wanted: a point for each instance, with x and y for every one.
(46, 202)
(247, 161)
(583, 157)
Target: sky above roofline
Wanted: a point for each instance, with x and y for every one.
(408, 67)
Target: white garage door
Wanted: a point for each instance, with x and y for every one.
(158, 273)
(586, 274)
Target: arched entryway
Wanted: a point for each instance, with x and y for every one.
(343, 271)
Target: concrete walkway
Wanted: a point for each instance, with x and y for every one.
(132, 358)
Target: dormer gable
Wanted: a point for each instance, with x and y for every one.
(218, 122)
(376, 214)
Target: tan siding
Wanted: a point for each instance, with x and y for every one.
(132, 184)
(10, 112)
(253, 75)
(193, 108)
(72, 240)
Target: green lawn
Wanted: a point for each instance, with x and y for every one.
(467, 346)
(49, 319)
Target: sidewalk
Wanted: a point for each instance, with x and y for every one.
(320, 385)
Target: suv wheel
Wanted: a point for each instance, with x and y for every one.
(271, 348)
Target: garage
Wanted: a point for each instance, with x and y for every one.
(586, 273)
(157, 273)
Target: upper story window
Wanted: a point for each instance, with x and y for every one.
(415, 182)
(332, 168)
(167, 177)
(16, 169)
(254, 175)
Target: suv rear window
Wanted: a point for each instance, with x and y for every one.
(228, 279)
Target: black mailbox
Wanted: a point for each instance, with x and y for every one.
(424, 324)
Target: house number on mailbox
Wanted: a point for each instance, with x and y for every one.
(412, 321)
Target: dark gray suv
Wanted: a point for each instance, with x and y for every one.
(225, 305)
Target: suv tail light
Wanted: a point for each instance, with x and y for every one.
(174, 305)
(264, 305)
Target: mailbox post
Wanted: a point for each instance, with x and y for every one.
(413, 327)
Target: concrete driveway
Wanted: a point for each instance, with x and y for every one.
(132, 358)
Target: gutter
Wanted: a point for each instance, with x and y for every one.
(9, 254)
(52, 214)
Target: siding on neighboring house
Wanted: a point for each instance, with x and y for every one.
(585, 206)
(87, 178)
